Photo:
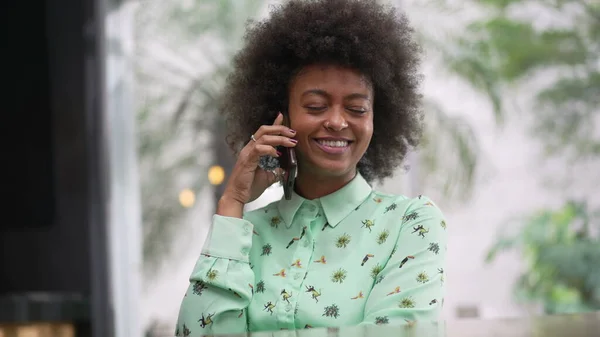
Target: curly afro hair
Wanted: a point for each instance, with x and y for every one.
(373, 38)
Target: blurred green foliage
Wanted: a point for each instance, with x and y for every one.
(449, 154)
(183, 54)
(561, 252)
(547, 51)
(555, 58)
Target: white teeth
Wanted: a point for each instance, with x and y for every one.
(333, 143)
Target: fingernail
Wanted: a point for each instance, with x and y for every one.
(278, 153)
(293, 141)
(292, 131)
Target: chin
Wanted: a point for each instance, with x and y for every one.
(333, 168)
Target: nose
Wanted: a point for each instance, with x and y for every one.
(335, 120)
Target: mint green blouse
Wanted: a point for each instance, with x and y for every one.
(354, 257)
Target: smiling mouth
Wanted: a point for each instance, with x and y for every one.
(333, 146)
(333, 143)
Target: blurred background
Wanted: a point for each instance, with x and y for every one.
(126, 155)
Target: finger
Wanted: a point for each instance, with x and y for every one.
(280, 173)
(278, 119)
(260, 150)
(277, 141)
(272, 177)
(275, 176)
(274, 130)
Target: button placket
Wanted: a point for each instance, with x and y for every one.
(296, 277)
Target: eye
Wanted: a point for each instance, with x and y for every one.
(315, 108)
(358, 110)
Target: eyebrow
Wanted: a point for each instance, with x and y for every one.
(325, 94)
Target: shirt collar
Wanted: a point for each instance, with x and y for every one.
(336, 205)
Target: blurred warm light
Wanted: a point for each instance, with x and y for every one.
(216, 175)
(187, 198)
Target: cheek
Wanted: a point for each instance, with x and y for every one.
(301, 128)
(370, 129)
(303, 133)
(367, 132)
(304, 125)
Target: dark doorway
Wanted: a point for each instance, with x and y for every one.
(53, 259)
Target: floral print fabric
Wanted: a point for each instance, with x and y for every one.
(355, 257)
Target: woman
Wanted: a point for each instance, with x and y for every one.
(338, 253)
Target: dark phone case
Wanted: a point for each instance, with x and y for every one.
(290, 165)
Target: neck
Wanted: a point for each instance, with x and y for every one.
(311, 186)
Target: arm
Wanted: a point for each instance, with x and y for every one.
(416, 267)
(218, 294)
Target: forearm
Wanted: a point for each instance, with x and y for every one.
(230, 207)
(219, 290)
(216, 299)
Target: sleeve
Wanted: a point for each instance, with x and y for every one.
(410, 288)
(218, 294)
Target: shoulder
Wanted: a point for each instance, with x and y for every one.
(423, 216)
(422, 205)
(409, 210)
(402, 203)
(387, 198)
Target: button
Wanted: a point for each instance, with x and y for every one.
(305, 243)
(245, 251)
(288, 307)
(297, 276)
(246, 228)
(312, 208)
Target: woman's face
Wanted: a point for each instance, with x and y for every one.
(331, 109)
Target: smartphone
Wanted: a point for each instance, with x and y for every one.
(289, 164)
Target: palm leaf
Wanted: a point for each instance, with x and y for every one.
(182, 57)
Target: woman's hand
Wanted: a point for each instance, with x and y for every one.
(248, 181)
